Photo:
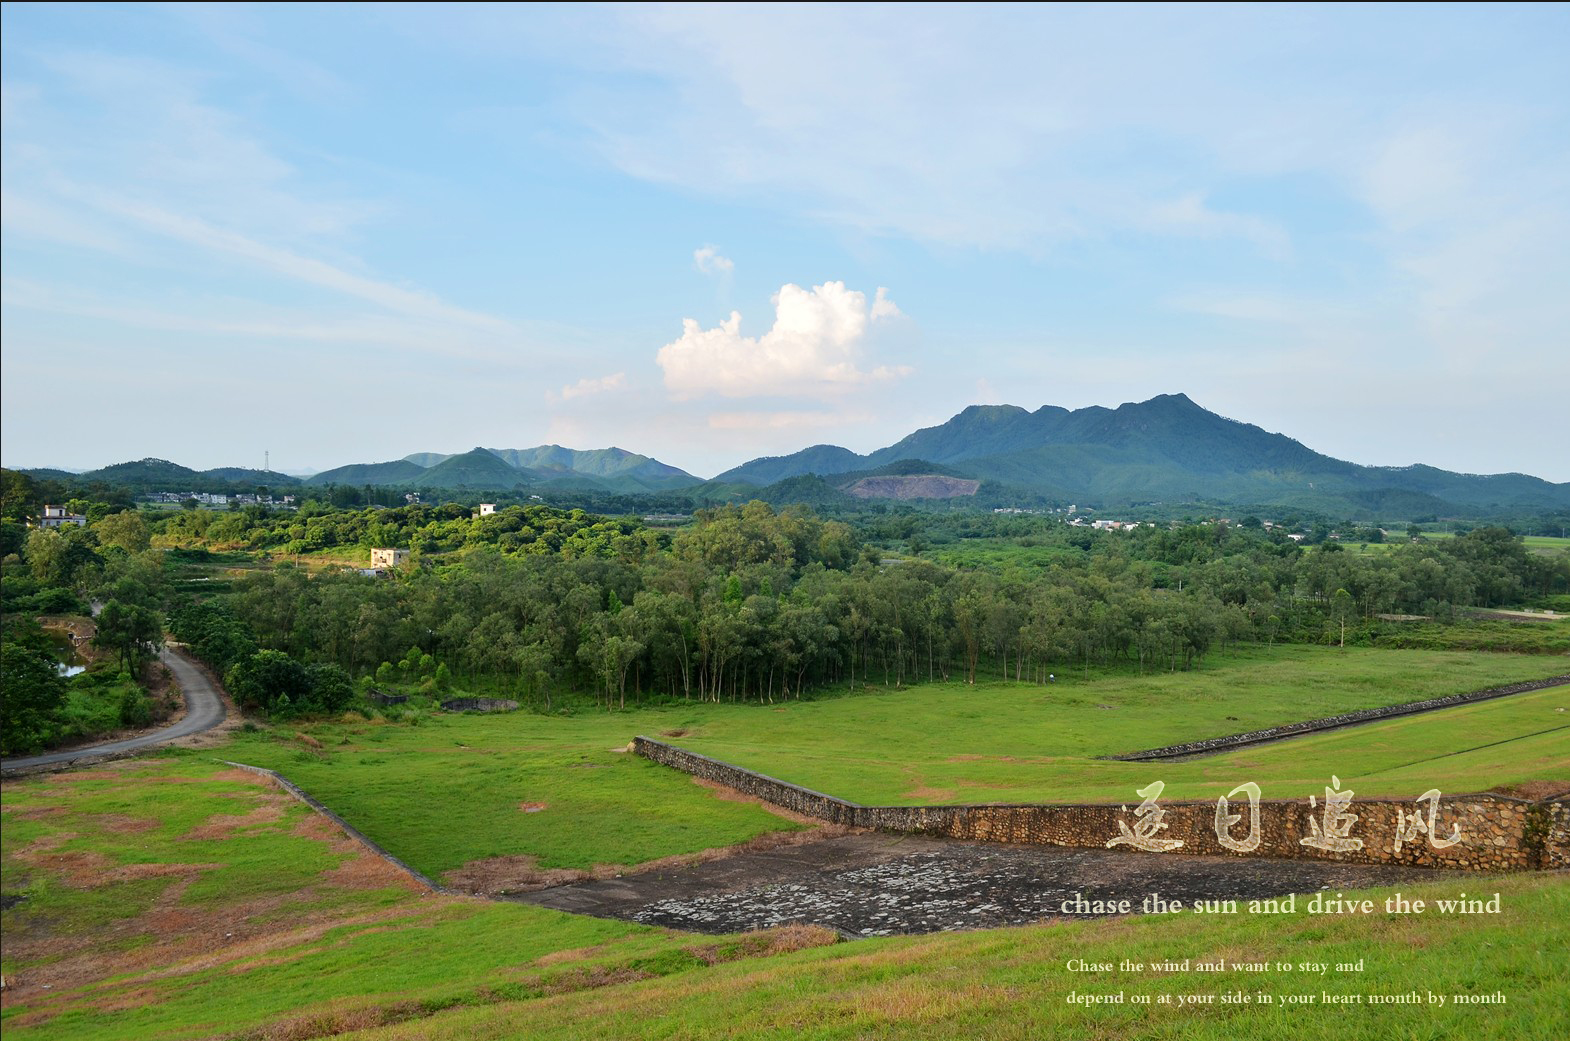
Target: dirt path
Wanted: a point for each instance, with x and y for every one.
(204, 710)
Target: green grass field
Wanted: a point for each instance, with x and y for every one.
(175, 898)
(452, 790)
(1544, 544)
(1022, 743)
(465, 787)
(1014, 985)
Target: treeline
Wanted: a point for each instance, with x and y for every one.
(746, 603)
(753, 604)
(316, 527)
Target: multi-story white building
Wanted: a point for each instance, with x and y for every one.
(55, 516)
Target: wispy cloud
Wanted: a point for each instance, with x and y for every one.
(122, 157)
(709, 260)
(588, 386)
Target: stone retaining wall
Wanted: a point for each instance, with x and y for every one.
(1554, 834)
(479, 705)
(1496, 832)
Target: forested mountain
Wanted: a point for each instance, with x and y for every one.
(1164, 449)
(823, 460)
(473, 469)
(548, 467)
(553, 461)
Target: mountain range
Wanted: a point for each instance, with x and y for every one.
(1165, 450)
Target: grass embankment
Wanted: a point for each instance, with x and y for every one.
(175, 898)
(172, 898)
(1021, 743)
(459, 788)
(1014, 983)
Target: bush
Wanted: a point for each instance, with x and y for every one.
(267, 678)
(32, 694)
(136, 709)
(331, 690)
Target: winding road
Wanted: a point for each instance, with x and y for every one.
(204, 709)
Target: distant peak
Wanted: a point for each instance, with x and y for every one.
(1178, 400)
(992, 410)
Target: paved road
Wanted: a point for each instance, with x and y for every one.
(204, 709)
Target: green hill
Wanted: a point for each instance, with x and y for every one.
(824, 460)
(398, 471)
(146, 473)
(626, 470)
(477, 468)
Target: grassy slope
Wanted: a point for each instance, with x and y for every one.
(172, 898)
(1023, 743)
(1013, 983)
(449, 791)
(455, 788)
(350, 947)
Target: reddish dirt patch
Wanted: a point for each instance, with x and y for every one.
(765, 943)
(368, 871)
(926, 794)
(121, 824)
(223, 825)
(531, 807)
(1535, 790)
(173, 940)
(914, 486)
(726, 793)
(513, 873)
(565, 957)
(37, 813)
(78, 869)
(521, 873)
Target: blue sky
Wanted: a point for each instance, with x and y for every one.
(343, 234)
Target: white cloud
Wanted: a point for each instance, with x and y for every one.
(812, 348)
(587, 386)
(708, 260)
